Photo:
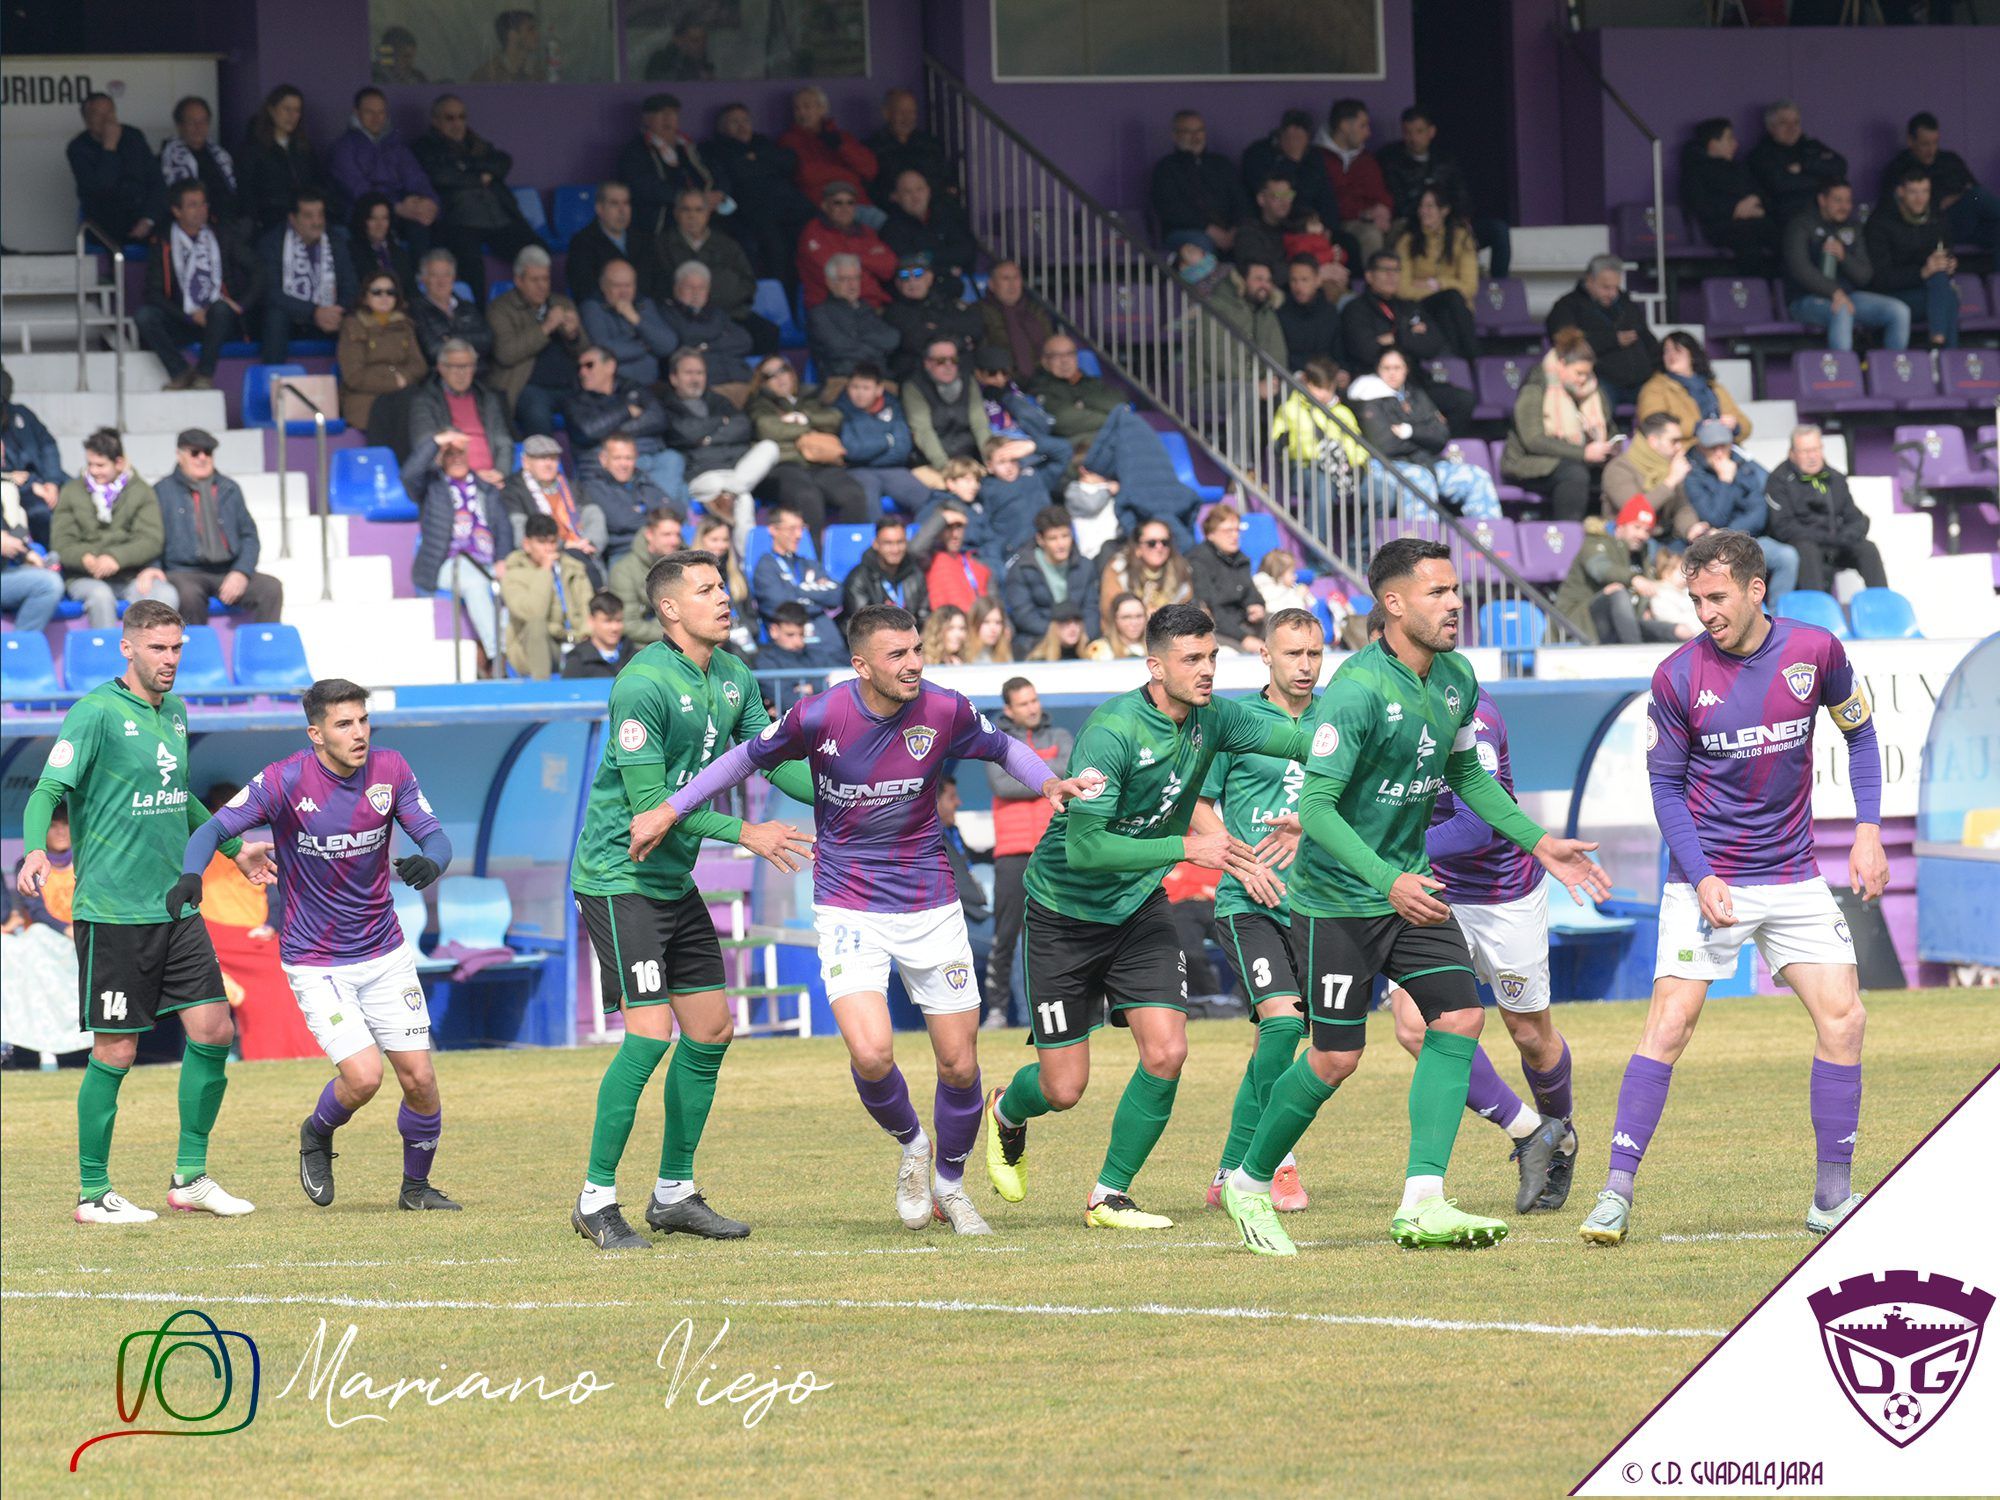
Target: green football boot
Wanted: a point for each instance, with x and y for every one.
(1440, 1221)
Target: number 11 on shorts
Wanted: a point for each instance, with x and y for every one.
(1054, 1019)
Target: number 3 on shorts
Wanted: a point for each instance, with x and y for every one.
(1330, 1004)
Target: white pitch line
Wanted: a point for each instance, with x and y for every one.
(67, 1294)
(1729, 1234)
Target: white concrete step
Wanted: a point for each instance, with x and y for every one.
(358, 582)
(1733, 375)
(238, 451)
(1906, 543)
(1954, 598)
(396, 642)
(1772, 418)
(45, 273)
(82, 412)
(1558, 247)
(35, 373)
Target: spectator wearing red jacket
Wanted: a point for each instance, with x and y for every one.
(954, 575)
(836, 231)
(1354, 175)
(826, 153)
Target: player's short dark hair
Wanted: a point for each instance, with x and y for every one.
(541, 528)
(105, 443)
(179, 190)
(1399, 558)
(874, 618)
(1378, 621)
(1342, 111)
(791, 612)
(1051, 518)
(150, 614)
(891, 523)
(669, 570)
(1286, 619)
(1923, 119)
(604, 602)
(322, 696)
(1170, 622)
(1656, 422)
(1012, 686)
(1735, 550)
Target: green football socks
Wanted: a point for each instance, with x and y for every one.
(618, 1101)
(1024, 1100)
(1437, 1099)
(1295, 1098)
(1277, 1043)
(202, 1087)
(690, 1093)
(96, 1113)
(1136, 1128)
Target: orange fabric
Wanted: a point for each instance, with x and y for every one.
(268, 1023)
(228, 899)
(59, 891)
(1190, 882)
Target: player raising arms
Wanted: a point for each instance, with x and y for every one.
(332, 808)
(1098, 927)
(1393, 729)
(657, 952)
(1729, 749)
(882, 886)
(121, 759)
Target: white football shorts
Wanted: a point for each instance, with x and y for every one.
(1510, 948)
(931, 949)
(376, 1003)
(1794, 923)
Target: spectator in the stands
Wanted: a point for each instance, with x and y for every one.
(1381, 318)
(308, 280)
(1124, 635)
(537, 339)
(844, 330)
(659, 164)
(118, 184)
(793, 648)
(875, 435)
(1723, 200)
(604, 650)
(199, 280)
(211, 548)
(1725, 486)
(108, 533)
(193, 154)
(519, 58)
(1194, 194)
(785, 575)
(1020, 422)
(622, 494)
(1149, 565)
(539, 488)
(379, 350)
(31, 584)
(478, 211)
(278, 163)
(1561, 434)
(837, 231)
(396, 57)
(770, 209)
(700, 324)
(732, 285)
(827, 154)
(1611, 577)
(1910, 249)
(547, 594)
(1417, 162)
(1120, 461)
(1080, 404)
(1360, 193)
(901, 145)
(1287, 152)
(726, 460)
(955, 575)
(659, 537)
(1261, 233)
(1051, 572)
(1019, 821)
(1320, 440)
(712, 535)
(1219, 368)
(606, 403)
(611, 235)
(370, 157)
(923, 313)
(440, 313)
(456, 399)
(1811, 510)
(1654, 466)
(1222, 579)
(1789, 166)
(990, 635)
(1010, 498)
(1277, 580)
(1403, 423)
(886, 573)
(631, 326)
(1827, 271)
(1308, 317)
(1686, 389)
(1065, 640)
(1440, 264)
(1598, 305)
(374, 245)
(1970, 210)
(946, 630)
(1014, 321)
(31, 460)
(923, 221)
(946, 412)
(810, 476)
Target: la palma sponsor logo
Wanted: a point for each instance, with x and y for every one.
(1404, 792)
(1901, 1346)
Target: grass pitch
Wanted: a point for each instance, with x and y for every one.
(1047, 1359)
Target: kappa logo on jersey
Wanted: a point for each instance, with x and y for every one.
(381, 796)
(307, 805)
(1326, 740)
(1395, 713)
(918, 740)
(61, 754)
(1800, 677)
(1759, 739)
(1451, 699)
(1093, 784)
(1901, 1345)
(1707, 699)
(733, 693)
(1426, 746)
(826, 746)
(167, 763)
(631, 736)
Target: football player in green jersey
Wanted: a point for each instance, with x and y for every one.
(121, 760)
(1098, 928)
(1393, 729)
(673, 707)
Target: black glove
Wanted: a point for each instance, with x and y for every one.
(417, 871)
(186, 892)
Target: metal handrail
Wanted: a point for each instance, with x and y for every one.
(280, 385)
(85, 232)
(1653, 144)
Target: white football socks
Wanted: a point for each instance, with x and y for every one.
(1417, 1190)
(1525, 1123)
(672, 1190)
(595, 1198)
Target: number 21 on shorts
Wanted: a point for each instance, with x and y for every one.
(1330, 1003)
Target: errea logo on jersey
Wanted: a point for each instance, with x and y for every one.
(1394, 713)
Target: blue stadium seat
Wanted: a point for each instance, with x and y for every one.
(771, 304)
(759, 542)
(367, 482)
(27, 666)
(462, 290)
(257, 410)
(495, 290)
(1814, 608)
(1883, 615)
(411, 913)
(474, 910)
(271, 659)
(91, 657)
(1182, 458)
(1259, 535)
(1511, 624)
(202, 669)
(844, 547)
(575, 206)
(530, 202)
(1086, 361)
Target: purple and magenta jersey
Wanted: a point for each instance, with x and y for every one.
(880, 846)
(1502, 870)
(1729, 748)
(331, 839)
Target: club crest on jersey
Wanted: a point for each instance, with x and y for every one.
(1326, 740)
(180, 728)
(1451, 699)
(1800, 677)
(380, 796)
(918, 740)
(958, 976)
(1513, 986)
(733, 693)
(1901, 1344)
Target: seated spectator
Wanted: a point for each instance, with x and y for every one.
(1354, 176)
(629, 325)
(886, 573)
(31, 584)
(1065, 639)
(1909, 247)
(991, 637)
(108, 533)
(118, 186)
(706, 328)
(1789, 166)
(519, 58)
(1013, 320)
(373, 244)
(464, 532)
(611, 235)
(604, 650)
(1079, 404)
(454, 398)
(1417, 162)
(211, 547)
(726, 460)
(828, 155)
(810, 475)
(478, 210)
(1222, 581)
(1259, 236)
(947, 629)
(1441, 262)
(538, 339)
(1124, 635)
(1277, 581)
(1810, 510)
(1627, 353)
(1309, 317)
(1560, 438)
(1654, 467)
(1019, 422)
(1611, 576)
(732, 285)
(836, 230)
(1127, 467)
(954, 573)
(684, 56)
(770, 209)
(1011, 498)
(198, 282)
(370, 157)
(659, 537)
(923, 223)
(1686, 390)
(1321, 442)
(396, 57)
(1726, 488)
(659, 164)
(922, 314)
(1380, 318)
(1287, 152)
(308, 281)
(29, 459)
(439, 313)
(875, 436)
(1722, 199)
(784, 575)
(605, 404)
(1405, 425)
(1150, 566)
(1194, 195)
(1218, 368)
(278, 164)
(379, 351)
(547, 594)
(1970, 211)
(844, 331)
(538, 488)
(712, 535)
(622, 494)
(792, 648)
(1826, 269)
(947, 415)
(1049, 573)
(901, 146)
(192, 156)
